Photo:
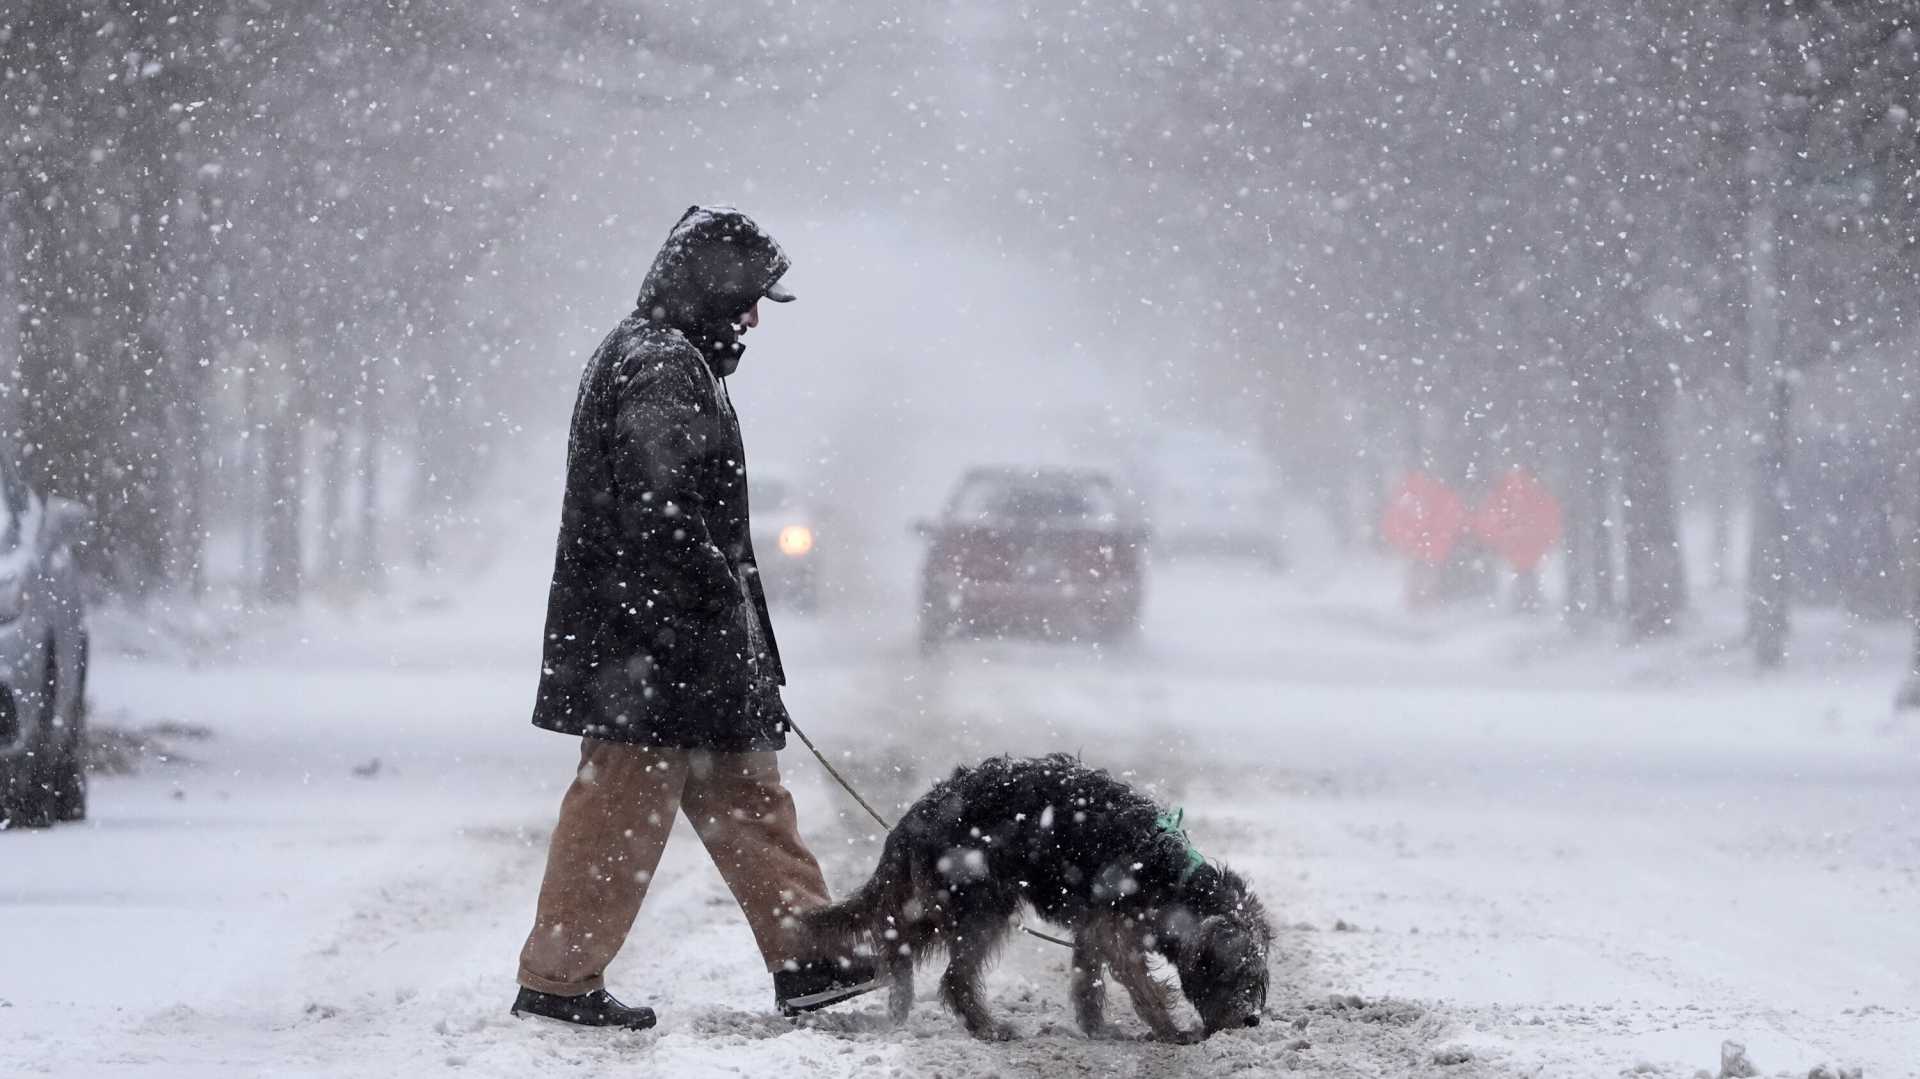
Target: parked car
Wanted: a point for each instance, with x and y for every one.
(43, 656)
(1048, 551)
(1211, 494)
(788, 532)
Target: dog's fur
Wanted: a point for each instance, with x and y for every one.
(1085, 851)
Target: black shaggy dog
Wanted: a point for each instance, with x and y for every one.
(1085, 851)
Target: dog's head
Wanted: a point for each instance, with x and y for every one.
(1222, 939)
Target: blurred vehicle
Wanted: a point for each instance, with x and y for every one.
(1036, 550)
(787, 533)
(43, 656)
(1209, 494)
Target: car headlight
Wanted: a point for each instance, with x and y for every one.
(13, 597)
(796, 540)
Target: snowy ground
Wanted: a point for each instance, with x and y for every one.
(1525, 854)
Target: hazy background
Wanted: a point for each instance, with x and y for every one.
(294, 282)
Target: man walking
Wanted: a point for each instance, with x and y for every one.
(659, 651)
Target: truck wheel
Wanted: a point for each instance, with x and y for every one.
(25, 796)
(64, 779)
(67, 784)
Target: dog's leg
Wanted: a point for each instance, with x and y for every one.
(898, 946)
(1089, 981)
(1150, 998)
(971, 946)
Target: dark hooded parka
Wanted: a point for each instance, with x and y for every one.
(657, 630)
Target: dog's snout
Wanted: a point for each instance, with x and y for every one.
(1253, 1020)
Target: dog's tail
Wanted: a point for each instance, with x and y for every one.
(862, 914)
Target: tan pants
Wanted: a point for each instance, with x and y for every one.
(614, 823)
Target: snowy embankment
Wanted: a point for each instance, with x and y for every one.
(1520, 856)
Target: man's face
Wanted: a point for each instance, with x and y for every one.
(751, 319)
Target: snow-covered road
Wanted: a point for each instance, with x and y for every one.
(1539, 858)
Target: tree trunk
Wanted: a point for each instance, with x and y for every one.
(1588, 507)
(1574, 601)
(280, 575)
(1575, 474)
(1769, 586)
(202, 348)
(334, 499)
(1772, 400)
(251, 466)
(1656, 572)
(1722, 540)
(371, 570)
(1723, 473)
(1909, 694)
(1600, 517)
(1770, 396)
(191, 553)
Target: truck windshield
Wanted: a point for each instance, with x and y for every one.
(1035, 499)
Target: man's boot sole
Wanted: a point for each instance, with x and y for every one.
(648, 1025)
(811, 1002)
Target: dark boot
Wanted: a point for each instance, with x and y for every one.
(820, 983)
(595, 1009)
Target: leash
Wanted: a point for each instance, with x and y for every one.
(882, 821)
(837, 777)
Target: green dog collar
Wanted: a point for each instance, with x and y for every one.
(1169, 822)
